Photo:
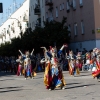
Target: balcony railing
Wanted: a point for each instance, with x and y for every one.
(48, 3)
(37, 11)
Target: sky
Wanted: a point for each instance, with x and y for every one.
(9, 6)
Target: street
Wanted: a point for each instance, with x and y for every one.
(82, 87)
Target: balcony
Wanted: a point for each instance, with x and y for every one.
(48, 3)
(49, 19)
(37, 10)
(25, 18)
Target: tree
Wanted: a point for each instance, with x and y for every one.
(54, 33)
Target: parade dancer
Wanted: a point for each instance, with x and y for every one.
(20, 65)
(47, 73)
(56, 69)
(96, 72)
(88, 62)
(78, 63)
(53, 76)
(27, 64)
(71, 62)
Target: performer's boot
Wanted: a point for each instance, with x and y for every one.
(62, 87)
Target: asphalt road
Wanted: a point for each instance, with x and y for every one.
(82, 87)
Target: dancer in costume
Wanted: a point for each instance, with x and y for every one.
(20, 65)
(47, 73)
(53, 76)
(78, 63)
(88, 59)
(27, 64)
(71, 62)
(96, 72)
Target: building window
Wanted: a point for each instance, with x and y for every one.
(69, 29)
(68, 7)
(75, 29)
(56, 11)
(81, 3)
(82, 27)
(60, 7)
(74, 4)
(63, 6)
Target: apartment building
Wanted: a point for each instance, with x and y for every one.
(36, 13)
(29, 15)
(83, 20)
(15, 24)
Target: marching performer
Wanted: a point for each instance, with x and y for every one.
(20, 65)
(53, 76)
(78, 63)
(96, 72)
(27, 64)
(47, 73)
(71, 62)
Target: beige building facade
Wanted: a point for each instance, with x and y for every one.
(83, 20)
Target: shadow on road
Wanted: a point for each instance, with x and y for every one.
(83, 75)
(79, 86)
(11, 87)
(10, 90)
(72, 83)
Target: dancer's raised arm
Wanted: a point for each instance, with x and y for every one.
(21, 54)
(60, 51)
(44, 48)
(32, 52)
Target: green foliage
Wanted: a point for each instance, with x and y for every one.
(53, 33)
